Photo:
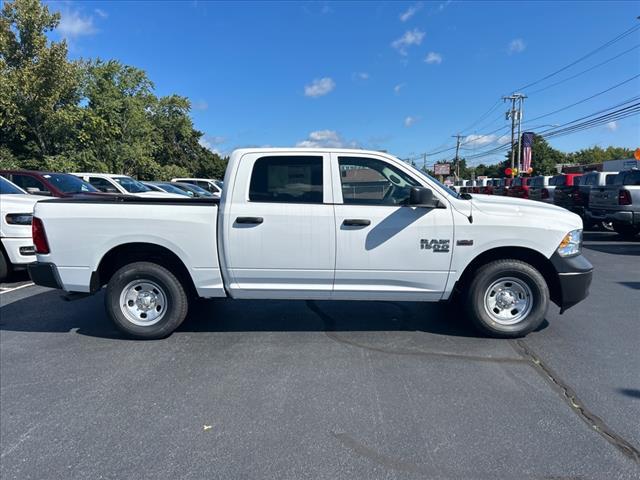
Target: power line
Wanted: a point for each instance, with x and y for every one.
(616, 112)
(584, 71)
(584, 57)
(550, 75)
(584, 99)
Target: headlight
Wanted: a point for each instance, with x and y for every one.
(19, 218)
(571, 244)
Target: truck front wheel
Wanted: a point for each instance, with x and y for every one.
(507, 298)
(146, 301)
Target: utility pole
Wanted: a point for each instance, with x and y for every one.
(515, 116)
(424, 162)
(457, 137)
(520, 108)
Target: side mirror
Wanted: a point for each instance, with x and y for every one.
(422, 197)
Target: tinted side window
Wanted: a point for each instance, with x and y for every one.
(102, 185)
(30, 184)
(368, 181)
(632, 178)
(286, 180)
(610, 178)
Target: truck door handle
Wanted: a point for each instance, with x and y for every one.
(250, 220)
(356, 222)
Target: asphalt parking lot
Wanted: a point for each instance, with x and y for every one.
(274, 389)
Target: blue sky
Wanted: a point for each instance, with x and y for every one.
(399, 76)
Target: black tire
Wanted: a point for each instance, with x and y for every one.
(175, 302)
(492, 272)
(4, 266)
(627, 232)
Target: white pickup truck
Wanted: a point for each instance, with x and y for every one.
(323, 224)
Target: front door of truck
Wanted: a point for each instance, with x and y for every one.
(385, 248)
(280, 229)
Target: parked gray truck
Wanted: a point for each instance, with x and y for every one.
(618, 203)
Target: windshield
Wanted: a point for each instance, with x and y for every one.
(8, 188)
(131, 185)
(627, 178)
(169, 188)
(197, 189)
(69, 183)
(537, 182)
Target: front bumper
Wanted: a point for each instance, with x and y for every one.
(19, 250)
(574, 275)
(44, 274)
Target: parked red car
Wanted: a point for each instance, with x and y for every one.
(519, 187)
(50, 184)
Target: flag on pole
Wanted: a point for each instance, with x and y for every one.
(527, 144)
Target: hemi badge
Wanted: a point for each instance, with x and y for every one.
(464, 243)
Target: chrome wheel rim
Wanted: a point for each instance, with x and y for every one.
(608, 226)
(143, 302)
(508, 301)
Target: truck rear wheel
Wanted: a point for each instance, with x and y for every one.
(146, 301)
(507, 298)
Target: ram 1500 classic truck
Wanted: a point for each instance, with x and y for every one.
(323, 224)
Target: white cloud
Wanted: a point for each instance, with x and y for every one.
(399, 87)
(410, 12)
(410, 121)
(410, 37)
(504, 139)
(210, 141)
(516, 45)
(480, 140)
(612, 126)
(319, 87)
(199, 105)
(208, 145)
(361, 76)
(72, 24)
(101, 13)
(433, 58)
(326, 139)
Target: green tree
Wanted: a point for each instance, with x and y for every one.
(598, 155)
(39, 95)
(118, 126)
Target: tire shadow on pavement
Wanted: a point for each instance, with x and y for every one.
(48, 312)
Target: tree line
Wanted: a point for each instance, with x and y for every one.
(87, 115)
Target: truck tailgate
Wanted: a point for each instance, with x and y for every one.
(603, 197)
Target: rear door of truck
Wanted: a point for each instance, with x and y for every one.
(279, 231)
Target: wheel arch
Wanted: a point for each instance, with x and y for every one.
(128, 253)
(528, 255)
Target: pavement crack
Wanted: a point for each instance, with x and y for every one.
(576, 405)
(329, 324)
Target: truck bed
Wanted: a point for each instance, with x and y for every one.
(82, 231)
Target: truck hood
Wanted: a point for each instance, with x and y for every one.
(18, 202)
(520, 211)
